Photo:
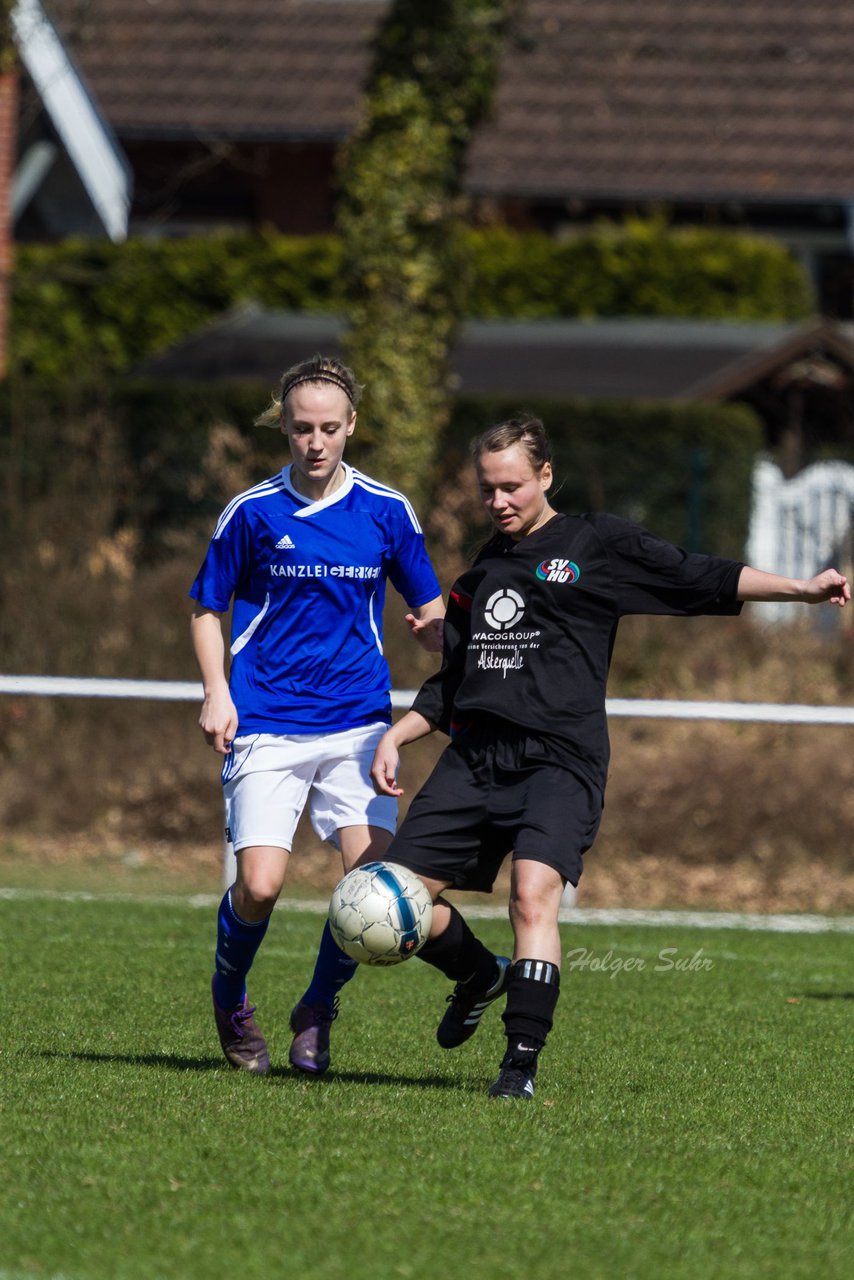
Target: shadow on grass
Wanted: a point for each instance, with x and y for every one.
(381, 1077)
(828, 995)
(173, 1062)
(170, 1061)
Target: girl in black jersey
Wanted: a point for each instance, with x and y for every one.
(529, 632)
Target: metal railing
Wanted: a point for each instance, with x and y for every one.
(401, 699)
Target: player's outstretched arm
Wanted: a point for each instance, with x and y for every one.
(218, 716)
(829, 586)
(387, 755)
(426, 624)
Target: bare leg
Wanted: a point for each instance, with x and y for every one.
(260, 876)
(362, 844)
(535, 894)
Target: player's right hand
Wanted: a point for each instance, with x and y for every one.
(218, 722)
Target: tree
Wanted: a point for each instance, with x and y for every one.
(400, 217)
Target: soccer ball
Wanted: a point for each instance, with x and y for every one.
(380, 913)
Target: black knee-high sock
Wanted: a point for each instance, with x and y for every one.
(459, 954)
(533, 987)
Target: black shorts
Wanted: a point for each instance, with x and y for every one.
(487, 797)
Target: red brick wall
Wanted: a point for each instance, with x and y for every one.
(8, 137)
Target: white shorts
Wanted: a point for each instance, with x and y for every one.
(267, 779)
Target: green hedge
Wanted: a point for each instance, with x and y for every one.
(642, 268)
(83, 309)
(683, 471)
(182, 451)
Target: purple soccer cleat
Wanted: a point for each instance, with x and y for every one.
(240, 1037)
(310, 1024)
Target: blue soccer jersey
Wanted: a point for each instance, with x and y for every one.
(307, 580)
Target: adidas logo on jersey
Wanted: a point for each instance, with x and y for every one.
(285, 544)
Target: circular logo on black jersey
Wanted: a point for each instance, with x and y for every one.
(558, 571)
(504, 609)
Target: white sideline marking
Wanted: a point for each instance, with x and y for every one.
(754, 921)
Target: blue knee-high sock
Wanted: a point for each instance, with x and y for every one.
(332, 970)
(237, 941)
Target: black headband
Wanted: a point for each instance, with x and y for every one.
(326, 375)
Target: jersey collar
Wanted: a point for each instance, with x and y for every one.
(308, 507)
(508, 543)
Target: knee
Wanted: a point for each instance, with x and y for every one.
(535, 893)
(260, 876)
(254, 899)
(530, 908)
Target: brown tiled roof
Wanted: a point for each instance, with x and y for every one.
(675, 99)
(618, 99)
(245, 69)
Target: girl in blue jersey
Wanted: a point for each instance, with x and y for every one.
(521, 692)
(302, 559)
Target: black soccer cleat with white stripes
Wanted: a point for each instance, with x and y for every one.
(515, 1080)
(467, 1005)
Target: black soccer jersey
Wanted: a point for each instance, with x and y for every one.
(530, 629)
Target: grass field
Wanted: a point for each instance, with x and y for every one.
(689, 1121)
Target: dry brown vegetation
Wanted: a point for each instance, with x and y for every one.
(108, 793)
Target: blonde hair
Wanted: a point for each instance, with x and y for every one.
(317, 369)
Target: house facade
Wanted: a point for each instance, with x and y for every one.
(229, 112)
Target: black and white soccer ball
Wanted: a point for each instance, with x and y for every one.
(380, 913)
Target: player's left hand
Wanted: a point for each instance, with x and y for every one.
(428, 632)
(831, 586)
